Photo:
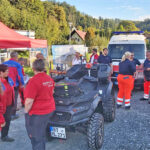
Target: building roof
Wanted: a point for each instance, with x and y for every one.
(80, 33)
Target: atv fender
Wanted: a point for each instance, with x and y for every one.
(109, 89)
(96, 102)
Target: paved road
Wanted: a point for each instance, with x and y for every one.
(129, 131)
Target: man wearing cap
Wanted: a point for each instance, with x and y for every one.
(77, 59)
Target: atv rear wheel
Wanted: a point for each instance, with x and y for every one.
(109, 109)
(96, 131)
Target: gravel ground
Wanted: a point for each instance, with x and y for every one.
(129, 131)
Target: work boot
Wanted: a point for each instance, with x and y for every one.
(127, 107)
(7, 139)
(119, 106)
(143, 99)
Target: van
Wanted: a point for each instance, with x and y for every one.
(121, 42)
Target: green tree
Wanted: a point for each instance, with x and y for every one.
(80, 28)
(90, 35)
(121, 28)
(127, 26)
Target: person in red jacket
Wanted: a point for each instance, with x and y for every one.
(39, 104)
(8, 101)
(2, 120)
(21, 88)
(94, 57)
(15, 73)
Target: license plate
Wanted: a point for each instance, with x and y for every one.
(58, 132)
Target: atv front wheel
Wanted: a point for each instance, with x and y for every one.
(109, 109)
(96, 131)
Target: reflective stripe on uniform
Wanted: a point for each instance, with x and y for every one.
(119, 101)
(146, 96)
(127, 100)
(127, 104)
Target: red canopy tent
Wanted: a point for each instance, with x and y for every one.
(11, 39)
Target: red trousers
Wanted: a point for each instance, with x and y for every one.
(125, 84)
(133, 83)
(146, 89)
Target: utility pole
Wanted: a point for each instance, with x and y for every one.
(70, 26)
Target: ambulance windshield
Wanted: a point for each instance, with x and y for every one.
(116, 51)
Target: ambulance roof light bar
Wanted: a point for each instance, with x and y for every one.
(129, 32)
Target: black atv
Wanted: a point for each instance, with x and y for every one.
(84, 99)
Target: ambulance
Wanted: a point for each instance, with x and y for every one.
(121, 42)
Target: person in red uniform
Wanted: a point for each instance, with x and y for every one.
(2, 120)
(39, 104)
(21, 88)
(94, 57)
(8, 103)
(146, 68)
(125, 78)
(15, 73)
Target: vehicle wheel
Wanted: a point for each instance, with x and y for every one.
(95, 131)
(109, 108)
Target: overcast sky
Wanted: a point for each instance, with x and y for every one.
(122, 9)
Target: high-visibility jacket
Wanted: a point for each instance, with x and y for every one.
(15, 72)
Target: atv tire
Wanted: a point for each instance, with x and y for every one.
(109, 109)
(95, 131)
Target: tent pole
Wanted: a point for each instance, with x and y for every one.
(30, 57)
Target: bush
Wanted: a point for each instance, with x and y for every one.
(28, 71)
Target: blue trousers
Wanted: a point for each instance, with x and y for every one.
(36, 129)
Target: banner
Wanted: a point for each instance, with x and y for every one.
(63, 54)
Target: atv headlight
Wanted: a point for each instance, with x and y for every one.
(80, 109)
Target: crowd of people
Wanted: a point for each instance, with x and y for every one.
(94, 58)
(37, 96)
(127, 72)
